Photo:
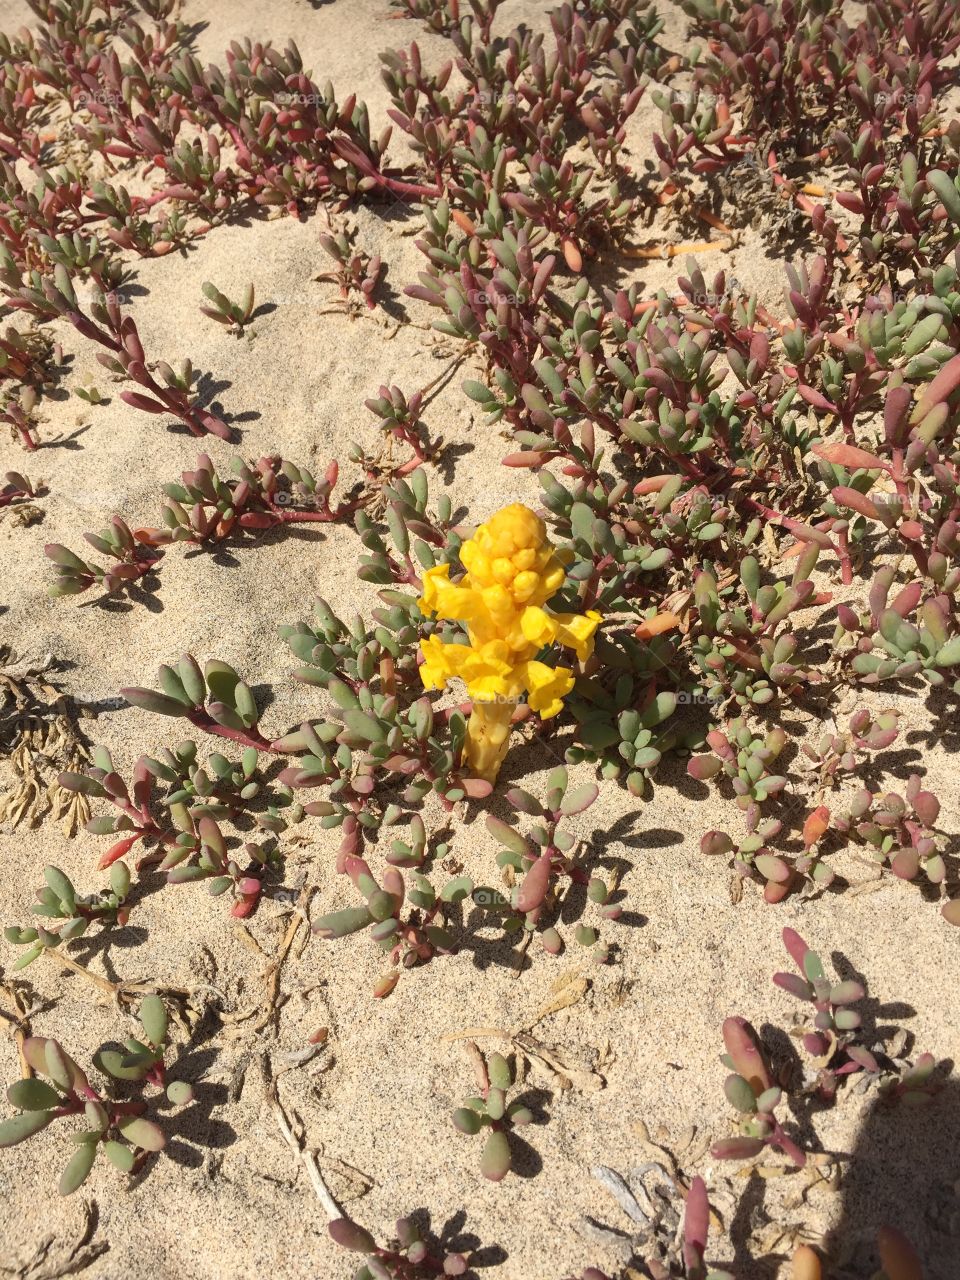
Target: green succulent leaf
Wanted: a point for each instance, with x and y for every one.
(78, 1168)
(23, 1126)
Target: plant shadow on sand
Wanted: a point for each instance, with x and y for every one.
(903, 1172)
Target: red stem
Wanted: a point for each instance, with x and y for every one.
(201, 720)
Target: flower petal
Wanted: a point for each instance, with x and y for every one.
(547, 687)
(538, 626)
(577, 630)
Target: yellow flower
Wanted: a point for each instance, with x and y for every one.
(577, 630)
(548, 687)
(538, 626)
(512, 570)
(442, 597)
(438, 665)
(433, 580)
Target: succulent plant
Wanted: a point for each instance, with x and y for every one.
(213, 698)
(406, 1257)
(48, 297)
(890, 646)
(408, 938)
(204, 509)
(830, 1040)
(58, 900)
(745, 758)
(399, 419)
(834, 754)
(898, 830)
(183, 821)
(16, 489)
(133, 559)
(235, 315)
(752, 1093)
(443, 16)
(356, 272)
(535, 866)
(120, 1129)
(490, 1112)
(754, 859)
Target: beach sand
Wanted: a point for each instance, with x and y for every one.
(228, 1200)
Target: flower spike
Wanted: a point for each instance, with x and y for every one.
(512, 572)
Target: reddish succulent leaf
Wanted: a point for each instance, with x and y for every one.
(775, 891)
(703, 767)
(796, 947)
(790, 1149)
(895, 409)
(143, 403)
(906, 864)
(529, 458)
(856, 500)
(849, 456)
(816, 399)
(741, 1044)
(533, 890)
(793, 983)
(653, 484)
(713, 843)
(463, 222)
(657, 625)
(940, 389)
(571, 254)
(851, 201)
(927, 807)
(696, 1223)
(907, 600)
(349, 1235)
(117, 851)
(816, 824)
(476, 788)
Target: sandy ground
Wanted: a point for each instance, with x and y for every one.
(228, 1201)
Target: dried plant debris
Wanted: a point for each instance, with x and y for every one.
(40, 735)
